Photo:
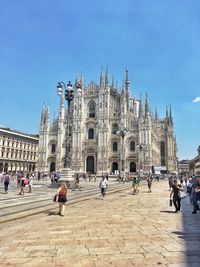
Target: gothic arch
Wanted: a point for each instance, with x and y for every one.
(132, 166)
(115, 167)
(91, 133)
(90, 164)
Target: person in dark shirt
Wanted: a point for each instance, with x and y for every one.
(175, 194)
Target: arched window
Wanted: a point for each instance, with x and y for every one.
(132, 146)
(91, 133)
(53, 148)
(92, 109)
(115, 128)
(114, 146)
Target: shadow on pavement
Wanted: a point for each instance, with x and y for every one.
(50, 213)
(167, 211)
(190, 234)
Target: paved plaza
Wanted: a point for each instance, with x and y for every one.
(123, 230)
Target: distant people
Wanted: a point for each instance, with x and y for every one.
(30, 184)
(135, 185)
(103, 186)
(39, 176)
(77, 182)
(170, 180)
(175, 195)
(6, 179)
(149, 183)
(23, 183)
(19, 176)
(196, 195)
(95, 177)
(62, 198)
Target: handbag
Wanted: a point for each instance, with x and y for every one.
(170, 202)
(55, 199)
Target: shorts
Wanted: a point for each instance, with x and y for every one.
(103, 191)
(62, 198)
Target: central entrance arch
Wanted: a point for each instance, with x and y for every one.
(90, 164)
(114, 167)
(52, 166)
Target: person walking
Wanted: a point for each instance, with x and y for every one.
(149, 183)
(103, 186)
(175, 195)
(62, 198)
(196, 195)
(77, 181)
(6, 179)
(30, 183)
(135, 185)
(22, 185)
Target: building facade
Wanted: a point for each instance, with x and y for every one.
(96, 117)
(183, 167)
(195, 164)
(18, 151)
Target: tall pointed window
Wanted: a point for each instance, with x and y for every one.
(92, 109)
(114, 146)
(132, 146)
(91, 133)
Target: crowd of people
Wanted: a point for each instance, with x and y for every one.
(179, 187)
(22, 179)
(182, 187)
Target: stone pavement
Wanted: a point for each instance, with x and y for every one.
(123, 230)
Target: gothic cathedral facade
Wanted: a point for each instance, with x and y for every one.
(107, 131)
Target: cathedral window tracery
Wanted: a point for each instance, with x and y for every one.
(92, 109)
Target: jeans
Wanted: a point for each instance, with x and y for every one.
(6, 186)
(177, 203)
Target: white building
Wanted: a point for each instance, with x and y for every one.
(18, 151)
(95, 116)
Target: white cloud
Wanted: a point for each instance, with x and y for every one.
(197, 99)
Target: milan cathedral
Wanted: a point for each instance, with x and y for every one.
(107, 131)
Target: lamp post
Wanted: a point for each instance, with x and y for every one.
(140, 148)
(69, 96)
(67, 173)
(122, 134)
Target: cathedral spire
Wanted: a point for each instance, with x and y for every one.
(101, 79)
(123, 87)
(170, 114)
(156, 114)
(76, 81)
(135, 105)
(107, 78)
(147, 108)
(113, 82)
(167, 113)
(82, 80)
(140, 107)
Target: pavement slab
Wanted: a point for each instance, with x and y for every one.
(122, 230)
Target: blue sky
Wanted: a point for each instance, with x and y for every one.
(44, 41)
